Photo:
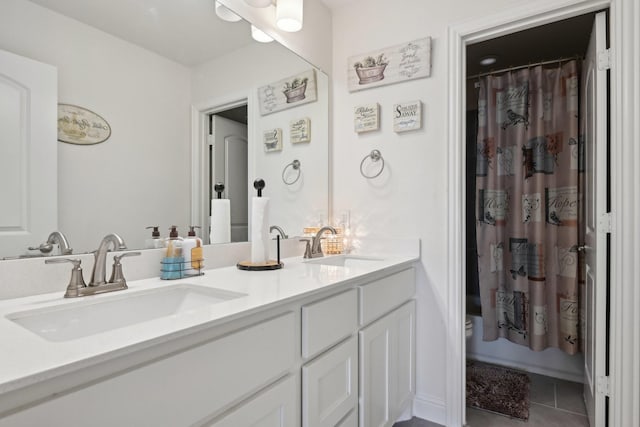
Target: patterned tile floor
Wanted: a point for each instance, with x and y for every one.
(554, 403)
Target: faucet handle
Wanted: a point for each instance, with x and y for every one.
(77, 280)
(116, 272)
(307, 249)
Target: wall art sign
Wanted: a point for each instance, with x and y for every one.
(393, 64)
(300, 130)
(286, 93)
(272, 140)
(78, 125)
(407, 116)
(366, 117)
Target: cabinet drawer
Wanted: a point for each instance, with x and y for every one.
(275, 407)
(179, 390)
(326, 322)
(381, 296)
(330, 386)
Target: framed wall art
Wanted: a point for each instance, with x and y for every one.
(78, 125)
(366, 117)
(393, 64)
(407, 116)
(300, 130)
(272, 140)
(286, 93)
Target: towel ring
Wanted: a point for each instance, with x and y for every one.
(296, 167)
(375, 156)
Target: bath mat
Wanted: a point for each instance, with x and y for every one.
(498, 389)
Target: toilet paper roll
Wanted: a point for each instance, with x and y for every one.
(259, 230)
(220, 221)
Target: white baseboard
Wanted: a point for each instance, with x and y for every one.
(430, 408)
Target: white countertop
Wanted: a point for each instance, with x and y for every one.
(26, 358)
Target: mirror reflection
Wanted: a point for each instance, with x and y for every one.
(164, 76)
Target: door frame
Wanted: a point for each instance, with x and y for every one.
(625, 102)
(199, 134)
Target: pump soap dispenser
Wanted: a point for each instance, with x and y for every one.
(155, 241)
(192, 252)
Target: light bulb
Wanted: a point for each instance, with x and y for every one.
(225, 13)
(258, 3)
(260, 36)
(289, 15)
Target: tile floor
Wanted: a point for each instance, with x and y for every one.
(554, 403)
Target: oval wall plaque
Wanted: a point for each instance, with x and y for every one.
(77, 125)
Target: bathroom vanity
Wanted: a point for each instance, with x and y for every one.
(324, 342)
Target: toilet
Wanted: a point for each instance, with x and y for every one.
(468, 327)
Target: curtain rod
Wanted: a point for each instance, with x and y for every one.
(520, 67)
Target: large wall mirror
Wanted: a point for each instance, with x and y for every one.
(164, 74)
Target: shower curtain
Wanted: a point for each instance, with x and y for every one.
(527, 187)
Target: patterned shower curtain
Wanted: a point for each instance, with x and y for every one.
(527, 187)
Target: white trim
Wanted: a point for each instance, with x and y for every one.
(459, 36)
(199, 132)
(625, 198)
(430, 408)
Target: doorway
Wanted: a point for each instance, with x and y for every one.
(457, 131)
(228, 165)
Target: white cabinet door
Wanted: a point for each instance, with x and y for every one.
(387, 367)
(28, 153)
(403, 379)
(329, 386)
(275, 407)
(375, 370)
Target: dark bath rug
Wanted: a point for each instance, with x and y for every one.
(498, 389)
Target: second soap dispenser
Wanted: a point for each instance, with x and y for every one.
(192, 253)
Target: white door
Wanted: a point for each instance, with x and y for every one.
(28, 153)
(594, 130)
(231, 168)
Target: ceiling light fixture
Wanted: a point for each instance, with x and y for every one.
(225, 13)
(260, 36)
(289, 15)
(258, 3)
(488, 60)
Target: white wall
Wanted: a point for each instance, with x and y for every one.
(410, 198)
(302, 204)
(139, 176)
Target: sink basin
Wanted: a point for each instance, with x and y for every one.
(89, 317)
(345, 260)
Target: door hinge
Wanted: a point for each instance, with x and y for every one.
(603, 386)
(605, 224)
(210, 140)
(604, 59)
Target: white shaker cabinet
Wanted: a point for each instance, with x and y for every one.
(387, 364)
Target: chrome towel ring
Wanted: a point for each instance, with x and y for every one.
(375, 156)
(295, 165)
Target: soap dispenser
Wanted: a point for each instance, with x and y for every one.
(173, 262)
(192, 252)
(155, 241)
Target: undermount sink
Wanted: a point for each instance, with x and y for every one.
(345, 260)
(89, 317)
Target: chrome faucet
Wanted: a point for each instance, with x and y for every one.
(54, 237)
(97, 285)
(316, 249)
(98, 275)
(280, 231)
